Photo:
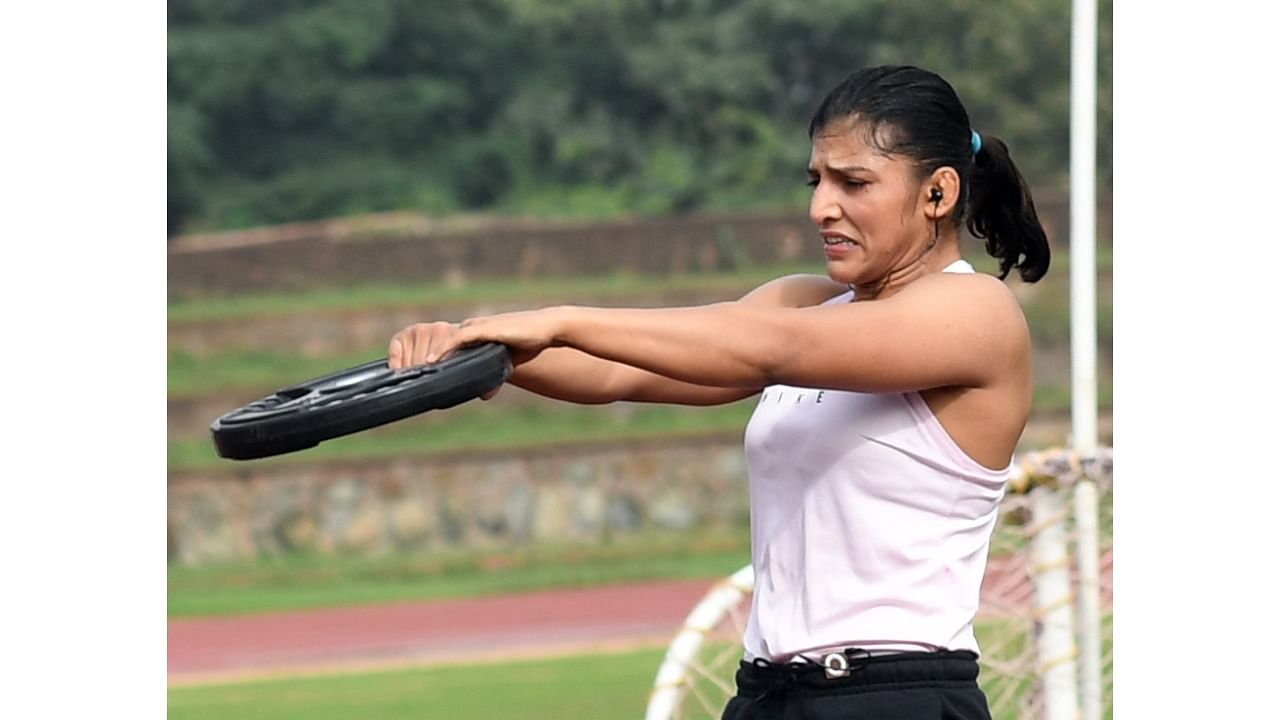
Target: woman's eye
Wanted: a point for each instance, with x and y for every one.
(813, 182)
(855, 184)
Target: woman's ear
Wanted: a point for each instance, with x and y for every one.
(941, 191)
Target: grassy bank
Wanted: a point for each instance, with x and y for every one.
(532, 290)
(305, 582)
(482, 426)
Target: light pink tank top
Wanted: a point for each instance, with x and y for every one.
(869, 526)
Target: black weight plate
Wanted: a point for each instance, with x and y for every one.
(358, 398)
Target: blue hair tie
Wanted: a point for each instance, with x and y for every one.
(975, 142)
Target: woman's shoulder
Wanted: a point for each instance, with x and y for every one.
(795, 291)
(976, 298)
(972, 286)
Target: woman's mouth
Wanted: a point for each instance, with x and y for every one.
(837, 245)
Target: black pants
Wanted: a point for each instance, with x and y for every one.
(906, 686)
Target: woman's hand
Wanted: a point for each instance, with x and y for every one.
(524, 333)
(415, 344)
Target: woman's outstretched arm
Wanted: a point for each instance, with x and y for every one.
(946, 330)
(568, 374)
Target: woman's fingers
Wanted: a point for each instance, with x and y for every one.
(395, 352)
(424, 343)
(443, 345)
(419, 344)
(400, 349)
(442, 342)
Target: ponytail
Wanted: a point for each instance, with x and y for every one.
(1001, 211)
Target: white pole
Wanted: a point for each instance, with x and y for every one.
(1084, 342)
(1051, 577)
(1086, 513)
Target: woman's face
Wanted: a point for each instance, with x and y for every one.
(867, 206)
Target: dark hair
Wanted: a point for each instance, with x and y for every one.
(914, 113)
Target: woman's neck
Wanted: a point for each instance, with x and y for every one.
(933, 260)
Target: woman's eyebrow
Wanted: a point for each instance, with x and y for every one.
(844, 169)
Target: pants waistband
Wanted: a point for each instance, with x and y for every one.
(760, 677)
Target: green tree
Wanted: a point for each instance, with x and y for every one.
(291, 110)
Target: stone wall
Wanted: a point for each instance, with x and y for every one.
(500, 249)
(583, 493)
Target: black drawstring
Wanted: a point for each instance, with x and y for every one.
(782, 678)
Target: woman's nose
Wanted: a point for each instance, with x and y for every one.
(822, 206)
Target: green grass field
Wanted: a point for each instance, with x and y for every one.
(583, 687)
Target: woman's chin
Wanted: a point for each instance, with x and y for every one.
(841, 272)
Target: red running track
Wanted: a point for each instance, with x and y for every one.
(525, 624)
